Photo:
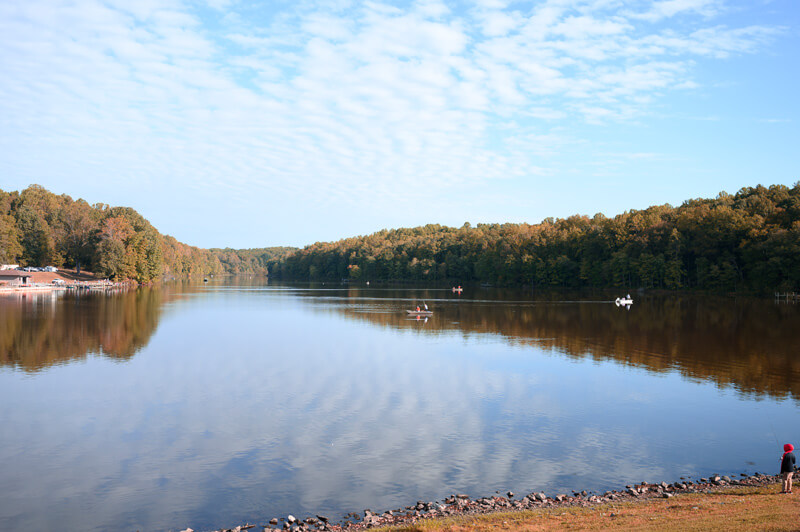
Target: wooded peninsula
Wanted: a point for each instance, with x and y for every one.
(748, 241)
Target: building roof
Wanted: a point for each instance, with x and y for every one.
(12, 274)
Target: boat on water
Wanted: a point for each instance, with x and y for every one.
(624, 300)
(458, 289)
(420, 312)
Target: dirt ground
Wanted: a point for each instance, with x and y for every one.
(65, 275)
(735, 509)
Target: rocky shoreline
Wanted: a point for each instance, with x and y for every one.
(462, 505)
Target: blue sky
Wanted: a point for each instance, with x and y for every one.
(246, 124)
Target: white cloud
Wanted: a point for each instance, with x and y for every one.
(582, 27)
(497, 24)
(670, 8)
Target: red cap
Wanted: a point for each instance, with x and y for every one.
(788, 447)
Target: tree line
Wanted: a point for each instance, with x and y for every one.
(749, 241)
(254, 261)
(39, 228)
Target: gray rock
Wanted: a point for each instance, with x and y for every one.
(372, 520)
(666, 495)
(291, 519)
(510, 494)
(322, 518)
(273, 521)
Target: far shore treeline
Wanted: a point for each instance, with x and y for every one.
(749, 241)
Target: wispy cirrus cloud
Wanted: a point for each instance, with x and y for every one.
(669, 8)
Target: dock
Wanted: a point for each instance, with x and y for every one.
(30, 288)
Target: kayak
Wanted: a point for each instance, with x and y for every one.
(420, 312)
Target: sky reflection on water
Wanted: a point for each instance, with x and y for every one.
(249, 404)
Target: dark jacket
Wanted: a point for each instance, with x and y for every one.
(787, 464)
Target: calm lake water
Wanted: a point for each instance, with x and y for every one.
(212, 405)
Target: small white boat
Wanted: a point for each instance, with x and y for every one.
(624, 300)
(459, 289)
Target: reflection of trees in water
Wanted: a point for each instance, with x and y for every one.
(37, 332)
(749, 344)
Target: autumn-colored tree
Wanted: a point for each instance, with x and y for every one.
(748, 240)
(39, 228)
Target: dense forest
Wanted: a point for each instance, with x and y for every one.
(39, 228)
(249, 261)
(749, 241)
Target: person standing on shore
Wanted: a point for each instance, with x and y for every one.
(787, 467)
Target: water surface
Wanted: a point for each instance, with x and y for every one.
(212, 405)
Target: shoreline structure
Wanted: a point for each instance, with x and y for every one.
(458, 505)
(42, 282)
